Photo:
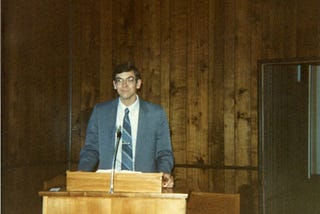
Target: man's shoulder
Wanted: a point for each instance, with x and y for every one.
(150, 106)
(107, 104)
(107, 107)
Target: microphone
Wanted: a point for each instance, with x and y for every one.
(118, 134)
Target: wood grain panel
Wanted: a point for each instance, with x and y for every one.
(308, 29)
(33, 73)
(216, 94)
(197, 97)
(20, 193)
(76, 127)
(256, 53)
(151, 51)
(251, 200)
(213, 203)
(165, 24)
(123, 182)
(34, 100)
(242, 89)
(85, 68)
(106, 90)
(123, 19)
(289, 18)
(229, 95)
(178, 87)
(101, 202)
(127, 31)
(198, 60)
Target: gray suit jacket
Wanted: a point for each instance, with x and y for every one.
(153, 146)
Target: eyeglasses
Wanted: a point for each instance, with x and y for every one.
(129, 80)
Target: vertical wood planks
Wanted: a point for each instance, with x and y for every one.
(165, 25)
(178, 90)
(77, 129)
(34, 100)
(151, 50)
(86, 66)
(126, 27)
(198, 60)
(256, 53)
(308, 35)
(242, 89)
(229, 95)
(216, 94)
(106, 91)
(197, 93)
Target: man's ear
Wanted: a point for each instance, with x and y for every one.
(114, 85)
(139, 82)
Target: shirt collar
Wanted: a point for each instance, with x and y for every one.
(133, 107)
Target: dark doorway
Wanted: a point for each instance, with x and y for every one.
(286, 184)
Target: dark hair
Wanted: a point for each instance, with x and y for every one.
(126, 67)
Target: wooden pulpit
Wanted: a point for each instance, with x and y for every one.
(88, 192)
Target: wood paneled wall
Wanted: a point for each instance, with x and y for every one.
(198, 59)
(34, 100)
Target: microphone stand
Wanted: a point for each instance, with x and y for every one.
(114, 160)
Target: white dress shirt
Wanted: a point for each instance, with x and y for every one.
(133, 116)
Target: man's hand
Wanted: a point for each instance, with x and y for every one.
(167, 180)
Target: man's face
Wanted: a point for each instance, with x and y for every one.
(127, 86)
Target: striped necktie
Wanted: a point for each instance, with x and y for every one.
(126, 162)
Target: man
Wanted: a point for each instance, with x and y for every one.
(145, 143)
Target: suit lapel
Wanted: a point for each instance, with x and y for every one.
(108, 119)
(142, 126)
